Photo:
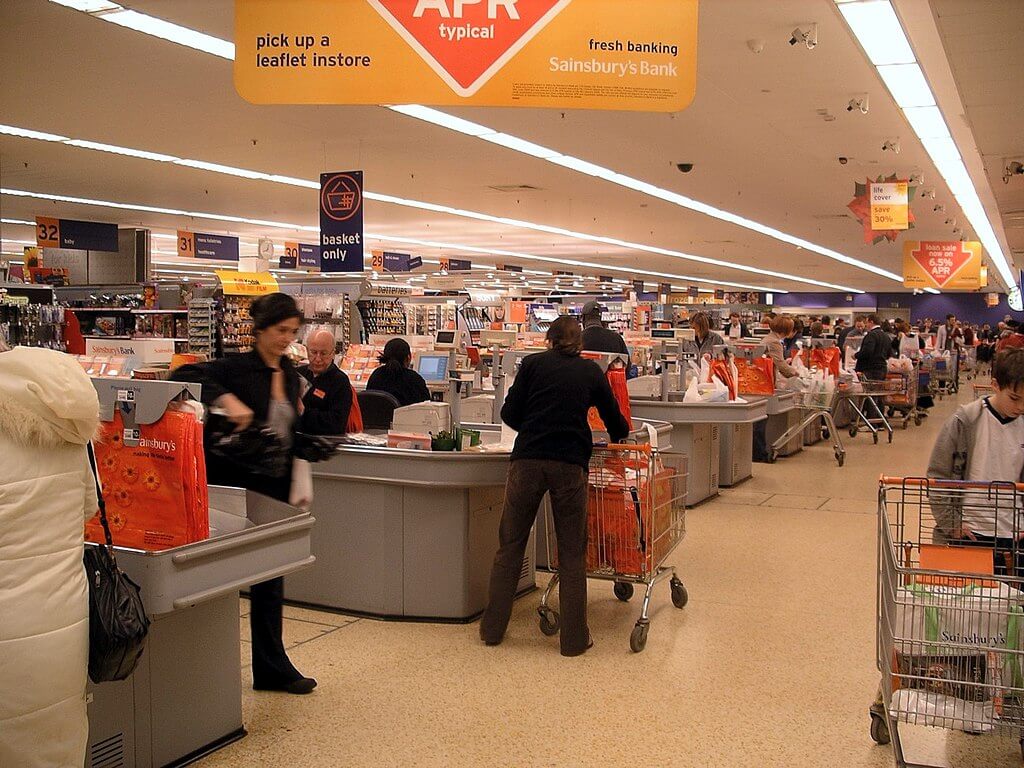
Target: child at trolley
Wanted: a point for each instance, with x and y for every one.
(984, 442)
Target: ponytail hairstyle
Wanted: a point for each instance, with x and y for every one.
(565, 335)
(396, 355)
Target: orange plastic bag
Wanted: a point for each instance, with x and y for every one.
(156, 492)
(756, 377)
(822, 359)
(617, 380)
(720, 370)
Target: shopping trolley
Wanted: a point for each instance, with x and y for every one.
(820, 409)
(902, 405)
(982, 390)
(636, 516)
(867, 403)
(944, 378)
(969, 361)
(950, 633)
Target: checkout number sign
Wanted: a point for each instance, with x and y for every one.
(186, 244)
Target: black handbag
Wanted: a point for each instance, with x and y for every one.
(118, 624)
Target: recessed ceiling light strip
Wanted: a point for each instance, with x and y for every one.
(113, 12)
(371, 236)
(880, 33)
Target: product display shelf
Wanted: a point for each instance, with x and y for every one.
(202, 327)
(382, 315)
(359, 361)
(237, 333)
(31, 325)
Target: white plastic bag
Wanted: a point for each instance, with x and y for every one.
(926, 708)
(692, 394)
(301, 493)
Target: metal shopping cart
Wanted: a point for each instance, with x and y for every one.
(636, 516)
(950, 610)
(944, 378)
(969, 361)
(982, 390)
(820, 408)
(902, 405)
(867, 400)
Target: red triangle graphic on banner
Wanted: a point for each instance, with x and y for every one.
(467, 50)
(941, 265)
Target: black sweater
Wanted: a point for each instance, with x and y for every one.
(597, 338)
(327, 402)
(407, 386)
(548, 406)
(247, 377)
(874, 351)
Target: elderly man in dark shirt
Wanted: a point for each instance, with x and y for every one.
(328, 400)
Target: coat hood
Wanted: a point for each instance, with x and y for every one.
(46, 398)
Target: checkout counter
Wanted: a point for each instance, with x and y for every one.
(184, 700)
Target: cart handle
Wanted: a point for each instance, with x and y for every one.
(626, 448)
(937, 483)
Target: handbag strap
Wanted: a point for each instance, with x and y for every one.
(99, 498)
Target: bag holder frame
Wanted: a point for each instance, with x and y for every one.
(140, 402)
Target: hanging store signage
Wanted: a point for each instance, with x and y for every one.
(386, 261)
(889, 205)
(200, 245)
(309, 257)
(664, 289)
(456, 265)
(952, 266)
(719, 294)
(991, 300)
(638, 287)
(341, 221)
(80, 235)
(246, 283)
(517, 53)
(508, 268)
(290, 259)
(605, 279)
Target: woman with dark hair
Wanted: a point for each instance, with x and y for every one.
(260, 386)
(547, 405)
(396, 377)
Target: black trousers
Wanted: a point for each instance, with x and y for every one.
(528, 481)
(270, 663)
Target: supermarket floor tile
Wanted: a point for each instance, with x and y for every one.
(794, 502)
(771, 664)
(731, 496)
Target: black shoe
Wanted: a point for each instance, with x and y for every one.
(298, 687)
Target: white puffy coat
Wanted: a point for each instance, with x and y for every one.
(48, 412)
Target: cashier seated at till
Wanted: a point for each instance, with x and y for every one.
(328, 398)
(396, 377)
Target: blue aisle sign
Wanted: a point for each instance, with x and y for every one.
(396, 262)
(202, 245)
(456, 265)
(508, 268)
(415, 262)
(341, 221)
(80, 235)
(300, 256)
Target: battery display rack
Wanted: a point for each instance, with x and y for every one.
(237, 336)
(202, 327)
(384, 316)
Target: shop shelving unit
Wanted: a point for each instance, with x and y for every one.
(202, 327)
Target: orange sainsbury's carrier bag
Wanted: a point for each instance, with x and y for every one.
(156, 492)
(617, 381)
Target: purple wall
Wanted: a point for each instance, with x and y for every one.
(966, 306)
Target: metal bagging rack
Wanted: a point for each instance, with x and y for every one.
(819, 405)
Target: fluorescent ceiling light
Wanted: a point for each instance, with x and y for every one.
(467, 127)
(520, 145)
(174, 33)
(17, 221)
(943, 152)
(907, 85)
(879, 31)
(141, 153)
(24, 133)
(932, 290)
(88, 6)
(225, 169)
(927, 123)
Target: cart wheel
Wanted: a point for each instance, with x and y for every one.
(549, 623)
(840, 457)
(890, 437)
(638, 637)
(917, 420)
(773, 456)
(906, 423)
(880, 730)
(875, 436)
(680, 597)
(853, 431)
(623, 590)
(825, 434)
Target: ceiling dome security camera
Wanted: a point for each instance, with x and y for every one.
(684, 167)
(843, 160)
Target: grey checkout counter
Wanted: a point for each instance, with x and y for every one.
(184, 700)
(697, 431)
(410, 535)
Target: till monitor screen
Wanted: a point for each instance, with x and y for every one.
(433, 368)
(445, 338)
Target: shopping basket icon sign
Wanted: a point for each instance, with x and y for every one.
(341, 197)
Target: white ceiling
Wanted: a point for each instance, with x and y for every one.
(759, 146)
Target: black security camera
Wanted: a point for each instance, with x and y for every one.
(843, 160)
(684, 167)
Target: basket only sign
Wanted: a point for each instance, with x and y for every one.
(341, 221)
(583, 54)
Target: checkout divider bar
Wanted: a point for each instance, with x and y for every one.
(233, 587)
(229, 542)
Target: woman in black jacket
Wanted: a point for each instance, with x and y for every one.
(261, 386)
(396, 377)
(547, 405)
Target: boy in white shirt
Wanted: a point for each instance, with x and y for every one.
(984, 442)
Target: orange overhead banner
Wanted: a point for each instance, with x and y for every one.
(951, 266)
(584, 54)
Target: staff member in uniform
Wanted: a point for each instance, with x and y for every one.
(547, 405)
(396, 377)
(328, 400)
(597, 338)
(260, 385)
